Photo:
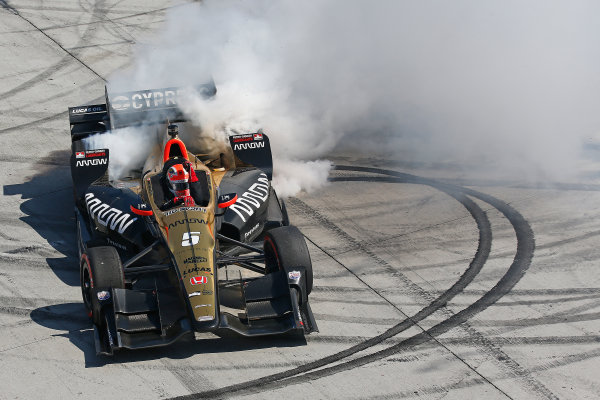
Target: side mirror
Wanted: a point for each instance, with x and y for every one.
(141, 209)
(226, 200)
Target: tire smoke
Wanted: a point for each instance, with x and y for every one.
(511, 86)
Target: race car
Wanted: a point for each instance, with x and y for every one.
(191, 242)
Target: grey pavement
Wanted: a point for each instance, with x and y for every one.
(384, 254)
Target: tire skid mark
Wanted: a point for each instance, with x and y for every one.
(26, 312)
(36, 264)
(569, 316)
(255, 364)
(521, 262)
(497, 255)
(48, 72)
(566, 360)
(101, 21)
(55, 162)
(544, 292)
(467, 341)
(356, 319)
(7, 237)
(54, 117)
(62, 63)
(560, 300)
(525, 249)
(192, 380)
(24, 109)
(321, 300)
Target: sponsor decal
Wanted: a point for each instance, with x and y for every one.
(187, 221)
(258, 136)
(246, 146)
(95, 153)
(95, 161)
(148, 99)
(201, 293)
(112, 218)
(252, 199)
(80, 154)
(293, 275)
(194, 260)
(85, 110)
(251, 231)
(203, 305)
(176, 210)
(103, 295)
(198, 280)
(242, 138)
(196, 270)
(113, 243)
(205, 318)
(190, 239)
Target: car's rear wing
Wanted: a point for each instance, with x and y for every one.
(152, 106)
(87, 120)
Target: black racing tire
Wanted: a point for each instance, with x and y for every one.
(286, 249)
(100, 267)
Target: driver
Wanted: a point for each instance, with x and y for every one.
(178, 179)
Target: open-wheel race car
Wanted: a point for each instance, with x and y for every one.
(165, 251)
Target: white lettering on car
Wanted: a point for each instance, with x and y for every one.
(87, 163)
(252, 199)
(147, 97)
(112, 218)
(251, 231)
(158, 98)
(134, 99)
(250, 145)
(169, 97)
(120, 103)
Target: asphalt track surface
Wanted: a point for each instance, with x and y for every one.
(428, 284)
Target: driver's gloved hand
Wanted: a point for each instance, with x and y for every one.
(172, 203)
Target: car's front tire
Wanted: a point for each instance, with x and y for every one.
(285, 249)
(100, 267)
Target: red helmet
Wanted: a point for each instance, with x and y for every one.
(178, 180)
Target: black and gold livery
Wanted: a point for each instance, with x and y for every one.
(150, 274)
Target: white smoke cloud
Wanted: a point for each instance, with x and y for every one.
(511, 84)
(128, 148)
(300, 175)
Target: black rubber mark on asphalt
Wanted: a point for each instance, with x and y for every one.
(129, 16)
(34, 123)
(4, 4)
(62, 63)
(522, 260)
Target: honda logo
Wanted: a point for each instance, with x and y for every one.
(198, 280)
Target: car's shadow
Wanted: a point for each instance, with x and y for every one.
(48, 209)
(71, 322)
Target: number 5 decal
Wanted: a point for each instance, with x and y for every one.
(190, 238)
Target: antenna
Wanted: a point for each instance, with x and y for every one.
(173, 130)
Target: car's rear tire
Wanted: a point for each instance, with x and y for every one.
(100, 267)
(285, 249)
